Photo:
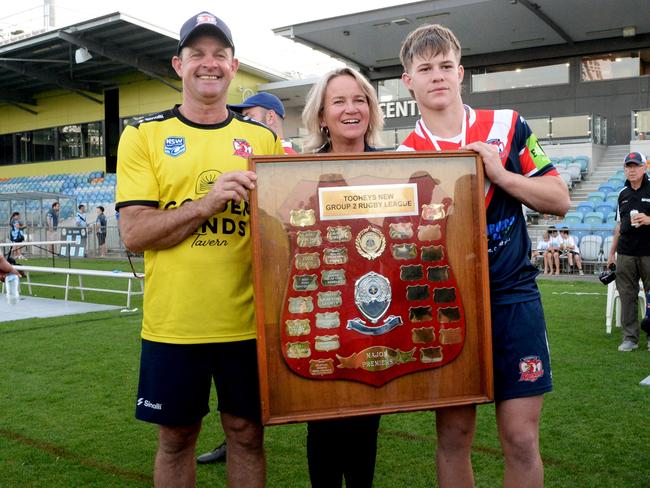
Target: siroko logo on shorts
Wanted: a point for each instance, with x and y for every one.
(174, 146)
(148, 404)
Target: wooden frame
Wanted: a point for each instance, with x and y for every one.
(293, 392)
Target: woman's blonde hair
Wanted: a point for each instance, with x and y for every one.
(311, 115)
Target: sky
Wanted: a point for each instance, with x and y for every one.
(251, 23)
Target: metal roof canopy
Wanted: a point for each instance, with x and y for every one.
(119, 45)
(491, 31)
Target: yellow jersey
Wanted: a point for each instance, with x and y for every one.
(200, 290)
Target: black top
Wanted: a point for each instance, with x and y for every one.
(634, 241)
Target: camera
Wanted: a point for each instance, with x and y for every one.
(608, 275)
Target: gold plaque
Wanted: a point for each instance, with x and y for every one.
(328, 320)
(321, 367)
(301, 304)
(305, 282)
(333, 277)
(423, 335)
(404, 251)
(302, 217)
(370, 243)
(310, 260)
(429, 232)
(327, 343)
(341, 233)
(298, 327)
(449, 314)
(309, 238)
(297, 350)
(433, 211)
(335, 255)
(420, 314)
(376, 358)
(329, 299)
(432, 253)
(450, 336)
(431, 354)
(400, 230)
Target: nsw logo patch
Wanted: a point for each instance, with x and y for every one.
(174, 146)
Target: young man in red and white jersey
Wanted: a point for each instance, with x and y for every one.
(517, 172)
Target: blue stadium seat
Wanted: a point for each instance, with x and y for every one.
(596, 197)
(573, 218)
(611, 218)
(605, 207)
(594, 218)
(583, 161)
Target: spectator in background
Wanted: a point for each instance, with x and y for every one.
(80, 218)
(553, 250)
(542, 252)
(100, 230)
(569, 248)
(269, 110)
(631, 246)
(16, 234)
(52, 225)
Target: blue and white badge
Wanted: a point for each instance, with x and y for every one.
(174, 146)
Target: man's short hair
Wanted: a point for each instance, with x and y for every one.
(100, 208)
(55, 204)
(81, 206)
(428, 39)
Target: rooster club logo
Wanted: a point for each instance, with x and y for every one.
(242, 148)
(530, 369)
(499, 144)
(174, 146)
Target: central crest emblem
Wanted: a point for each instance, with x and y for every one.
(372, 296)
(242, 148)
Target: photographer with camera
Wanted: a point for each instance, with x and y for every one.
(631, 246)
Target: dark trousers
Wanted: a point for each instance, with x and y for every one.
(342, 448)
(629, 270)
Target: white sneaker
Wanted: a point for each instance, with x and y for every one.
(581, 273)
(628, 346)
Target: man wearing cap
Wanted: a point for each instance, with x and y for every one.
(269, 110)
(631, 246)
(182, 194)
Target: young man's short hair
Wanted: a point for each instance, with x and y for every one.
(428, 39)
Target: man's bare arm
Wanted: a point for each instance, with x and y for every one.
(145, 228)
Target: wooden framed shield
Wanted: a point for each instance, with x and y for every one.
(371, 283)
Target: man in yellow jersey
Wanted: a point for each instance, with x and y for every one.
(182, 193)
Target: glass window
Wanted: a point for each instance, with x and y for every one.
(510, 77)
(577, 126)
(7, 149)
(540, 127)
(70, 145)
(93, 138)
(25, 145)
(392, 90)
(609, 67)
(43, 144)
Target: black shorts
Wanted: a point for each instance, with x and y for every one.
(101, 238)
(175, 381)
(522, 362)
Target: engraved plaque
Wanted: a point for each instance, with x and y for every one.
(309, 238)
(333, 277)
(305, 282)
(298, 327)
(341, 233)
(335, 255)
(404, 251)
(400, 230)
(301, 304)
(328, 320)
(429, 233)
(302, 217)
(329, 299)
(327, 343)
(308, 261)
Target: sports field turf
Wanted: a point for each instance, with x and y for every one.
(67, 393)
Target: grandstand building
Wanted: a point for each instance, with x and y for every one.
(65, 96)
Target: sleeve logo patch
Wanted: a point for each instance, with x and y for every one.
(174, 146)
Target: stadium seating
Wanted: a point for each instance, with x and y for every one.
(605, 208)
(611, 218)
(607, 245)
(591, 247)
(585, 207)
(583, 161)
(612, 197)
(574, 171)
(594, 218)
(573, 218)
(596, 197)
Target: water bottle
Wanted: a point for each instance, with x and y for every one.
(12, 289)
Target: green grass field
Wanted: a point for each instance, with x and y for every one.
(67, 393)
